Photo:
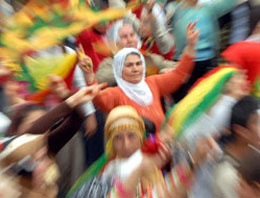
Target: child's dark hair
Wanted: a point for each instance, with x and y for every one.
(242, 111)
(240, 114)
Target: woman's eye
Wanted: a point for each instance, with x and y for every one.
(118, 138)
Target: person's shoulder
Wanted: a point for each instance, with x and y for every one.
(107, 61)
(225, 178)
(226, 168)
(151, 81)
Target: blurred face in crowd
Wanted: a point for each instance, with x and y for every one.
(133, 69)
(127, 36)
(250, 133)
(125, 143)
(237, 85)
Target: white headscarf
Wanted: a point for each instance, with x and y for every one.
(140, 92)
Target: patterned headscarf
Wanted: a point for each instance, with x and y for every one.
(119, 119)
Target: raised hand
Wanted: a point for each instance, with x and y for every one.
(84, 95)
(84, 61)
(58, 86)
(148, 4)
(206, 148)
(192, 34)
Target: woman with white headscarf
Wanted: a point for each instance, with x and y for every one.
(134, 89)
(124, 33)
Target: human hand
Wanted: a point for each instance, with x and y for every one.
(159, 153)
(192, 34)
(58, 86)
(148, 4)
(84, 61)
(205, 148)
(84, 95)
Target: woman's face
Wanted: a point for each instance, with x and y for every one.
(133, 69)
(127, 36)
(29, 119)
(125, 143)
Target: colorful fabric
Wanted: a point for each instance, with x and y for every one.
(28, 29)
(40, 25)
(200, 98)
(256, 88)
(35, 72)
(246, 55)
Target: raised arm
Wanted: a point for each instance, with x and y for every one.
(158, 22)
(170, 82)
(159, 62)
(59, 136)
(107, 99)
(47, 121)
(65, 130)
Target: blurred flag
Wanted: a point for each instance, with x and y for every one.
(204, 93)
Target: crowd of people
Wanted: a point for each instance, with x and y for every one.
(163, 103)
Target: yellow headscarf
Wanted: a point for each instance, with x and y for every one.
(122, 118)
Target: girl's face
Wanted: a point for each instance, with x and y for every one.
(125, 143)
